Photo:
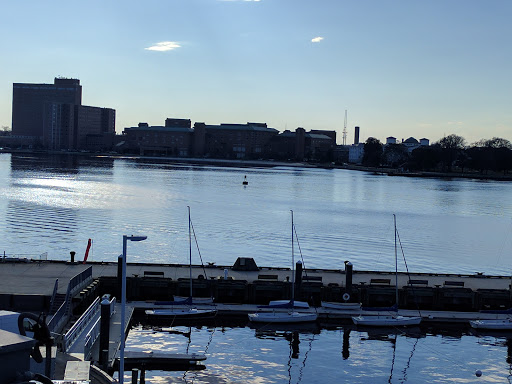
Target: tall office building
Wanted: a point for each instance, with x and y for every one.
(53, 116)
(31, 103)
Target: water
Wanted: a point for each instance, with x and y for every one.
(55, 204)
(336, 355)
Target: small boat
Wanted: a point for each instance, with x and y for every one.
(290, 316)
(182, 307)
(286, 304)
(245, 182)
(504, 324)
(195, 300)
(282, 317)
(388, 320)
(181, 312)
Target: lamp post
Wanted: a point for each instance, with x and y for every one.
(123, 302)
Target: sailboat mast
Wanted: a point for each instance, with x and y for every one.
(190, 250)
(293, 265)
(396, 264)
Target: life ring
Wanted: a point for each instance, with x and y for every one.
(346, 296)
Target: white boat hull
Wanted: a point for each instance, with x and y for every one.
(195, 300)
(386, 321)
(296, 304)
(181, 312)
(282, 317)
(492, 324)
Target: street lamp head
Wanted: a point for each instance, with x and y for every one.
(136, 238)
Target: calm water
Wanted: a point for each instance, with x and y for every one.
(55, 204)
(336, 355)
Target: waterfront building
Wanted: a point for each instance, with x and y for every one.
(355, 153)
(52, 116)
(234, 141)
(31, 101)
(301, 145)
(411, 143)
(173, 139)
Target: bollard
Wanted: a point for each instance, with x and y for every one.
(119, 276)
(348, 277)
(143, 376)
(346, 344)
(298, 272)
(104, 331)
(135, 375)
(298, 277)
(72, 253)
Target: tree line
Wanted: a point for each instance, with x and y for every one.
(449, 154)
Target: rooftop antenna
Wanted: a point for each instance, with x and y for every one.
(345, 129)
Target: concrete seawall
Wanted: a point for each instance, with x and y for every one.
(29, 285)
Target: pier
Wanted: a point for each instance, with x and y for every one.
(35, 286)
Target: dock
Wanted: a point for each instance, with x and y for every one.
(240, 289)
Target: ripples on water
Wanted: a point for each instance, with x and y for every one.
(55, 204)
(270, 354)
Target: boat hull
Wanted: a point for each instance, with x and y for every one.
(501, 325)
(287, 304)
(195, 300)
(282, 317)
(181, 313)
(386, 321)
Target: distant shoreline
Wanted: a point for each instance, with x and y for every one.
(272, 164)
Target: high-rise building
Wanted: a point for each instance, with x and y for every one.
(53, 116)
(32, 102)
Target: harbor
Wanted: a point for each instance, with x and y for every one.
(149, 285)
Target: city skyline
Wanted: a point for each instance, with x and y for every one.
(400, 69)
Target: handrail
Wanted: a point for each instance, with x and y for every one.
(77, 328)
(94, 332)
(54, 294)
(91, 338)
(75, 284)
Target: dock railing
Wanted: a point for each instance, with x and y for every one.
(75, 285)
(76, 330)
(94, 332)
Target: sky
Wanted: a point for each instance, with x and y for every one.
(399, 68)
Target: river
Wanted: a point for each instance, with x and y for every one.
(52, 205)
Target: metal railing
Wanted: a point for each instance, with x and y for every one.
(54, 294)
(74, 286)
(94, 332)
(76, 330)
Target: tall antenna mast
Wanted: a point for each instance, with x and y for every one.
(345, 129)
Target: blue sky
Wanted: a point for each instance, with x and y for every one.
(400, 68)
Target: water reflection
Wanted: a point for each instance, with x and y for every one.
(310, 354)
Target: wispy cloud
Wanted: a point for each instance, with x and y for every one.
(455, 123)
(163, 46)
(317, 39)
(254, 1)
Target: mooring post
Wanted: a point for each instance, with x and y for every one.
(135, 375)
(143, 376)
(104, 331)
(72, 254)
(348, 277)
(298, 277)
(119, 276)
